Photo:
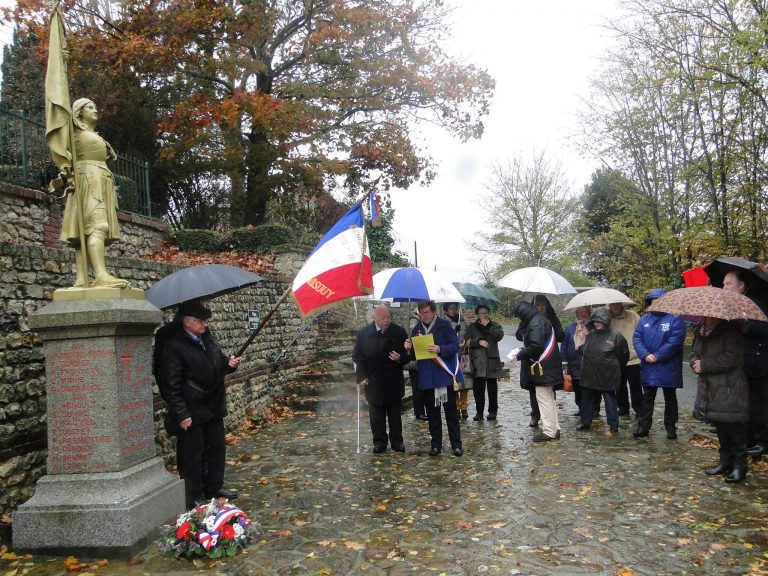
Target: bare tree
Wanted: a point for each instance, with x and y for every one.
(530, 209)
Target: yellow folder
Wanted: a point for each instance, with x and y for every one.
(420, 345)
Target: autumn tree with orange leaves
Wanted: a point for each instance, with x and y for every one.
(277, 101)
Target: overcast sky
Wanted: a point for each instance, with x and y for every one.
(541, 55)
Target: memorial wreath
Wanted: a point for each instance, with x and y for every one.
(213, 530)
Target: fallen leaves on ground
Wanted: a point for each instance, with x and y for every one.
(245, 260)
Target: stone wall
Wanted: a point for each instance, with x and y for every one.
(28, 276)
(33, 217)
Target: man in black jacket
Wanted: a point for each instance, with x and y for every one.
(192, 384)
(379, 357)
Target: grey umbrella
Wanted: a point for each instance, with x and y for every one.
(199, 283)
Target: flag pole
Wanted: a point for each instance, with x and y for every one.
(263, 322)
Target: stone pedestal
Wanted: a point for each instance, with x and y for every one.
(106, 491)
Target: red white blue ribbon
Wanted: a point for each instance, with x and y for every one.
(440, 362)
(548, 349)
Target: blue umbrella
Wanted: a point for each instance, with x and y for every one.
(413, 284)
(477, 295)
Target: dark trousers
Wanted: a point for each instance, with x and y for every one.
(535, 412)
(590, 397)
(631, 376)
(733, 444)
(435, 420)
(758, 411)
(478, 390)
(645, 416)
(201, 451)
(577, 391)
(378, 416)
(418, 400)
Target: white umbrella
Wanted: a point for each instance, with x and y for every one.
(413, 284)
(537, 280)
(598, 297)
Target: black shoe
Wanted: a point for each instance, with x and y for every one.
(624, 413)
(458, 451)
(379, 448)
(464, 415)
(195, 500)
(595, 415)
(721, 468)
(756, 451)
(581, 427)
(614, 430)
(422, 417)
(491, 416)
(737, 475)
(671, 434)
(398, 447)
(640, 433)
(557, 435)
(223, 493)
(434, 451)
(543, 438)
(477, 417)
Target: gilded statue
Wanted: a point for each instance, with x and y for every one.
(95, 192)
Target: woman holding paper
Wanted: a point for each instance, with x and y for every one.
(439, 374)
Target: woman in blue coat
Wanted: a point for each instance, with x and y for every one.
(658, 341)
(439, 377)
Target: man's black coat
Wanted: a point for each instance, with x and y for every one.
(192, 382)
(371, 357)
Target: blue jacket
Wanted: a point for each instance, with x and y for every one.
(661, 335)
(431, 374)
(568, 352)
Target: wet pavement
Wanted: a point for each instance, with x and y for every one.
(590, 503)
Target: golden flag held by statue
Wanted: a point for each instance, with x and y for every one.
(58, 111)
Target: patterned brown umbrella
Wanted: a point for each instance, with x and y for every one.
(708, 301)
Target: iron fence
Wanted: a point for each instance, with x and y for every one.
(25, 160)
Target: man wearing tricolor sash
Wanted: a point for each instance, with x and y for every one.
(439, 377)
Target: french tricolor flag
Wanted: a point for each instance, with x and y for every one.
(338, 268)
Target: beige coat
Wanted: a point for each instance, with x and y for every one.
(625, 324)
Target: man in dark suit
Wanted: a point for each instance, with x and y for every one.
(379, 357)
(192, 370)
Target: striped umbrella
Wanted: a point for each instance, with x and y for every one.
(413, 284)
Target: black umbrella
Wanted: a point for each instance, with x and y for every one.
(199, 283)
(757, 275)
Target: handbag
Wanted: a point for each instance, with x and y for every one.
(466, 360)
(567, 382)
